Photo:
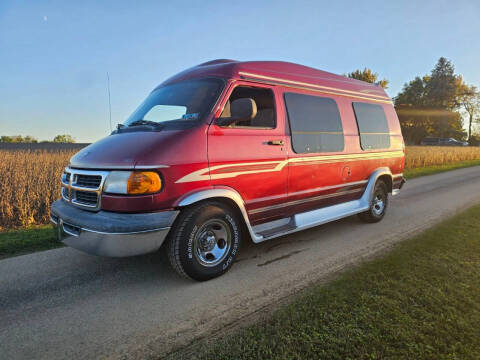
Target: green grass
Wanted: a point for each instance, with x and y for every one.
(17, 242)
(421, 301)
(430, 170)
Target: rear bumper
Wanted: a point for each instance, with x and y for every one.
(110, 234)
(400, 185)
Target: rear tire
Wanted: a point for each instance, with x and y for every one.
(379, 204)
(204, 241)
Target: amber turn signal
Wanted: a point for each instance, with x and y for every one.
(143, 182)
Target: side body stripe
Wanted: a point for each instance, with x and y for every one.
(233, 170)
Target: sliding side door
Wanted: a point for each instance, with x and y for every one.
(318, 162)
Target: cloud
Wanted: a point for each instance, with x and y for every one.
(45, 18)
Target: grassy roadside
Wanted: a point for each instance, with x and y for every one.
(421, 301)
(435, 169)
(18, 242)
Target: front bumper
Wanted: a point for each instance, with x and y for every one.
(110, 234)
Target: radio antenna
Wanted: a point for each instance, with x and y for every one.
(109, 102)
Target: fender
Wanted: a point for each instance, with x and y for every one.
(222, 192)
(368, 194)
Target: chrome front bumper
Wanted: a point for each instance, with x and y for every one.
(108, 233)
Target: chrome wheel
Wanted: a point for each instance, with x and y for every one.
(212, 242)
(378, 204)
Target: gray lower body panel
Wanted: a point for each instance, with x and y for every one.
(306, 220)
(110, 234)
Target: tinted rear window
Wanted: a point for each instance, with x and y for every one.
(372, 126)
(315, 123)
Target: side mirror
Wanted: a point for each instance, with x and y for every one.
(241, 110)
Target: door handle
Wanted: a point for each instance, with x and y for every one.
(275, 142)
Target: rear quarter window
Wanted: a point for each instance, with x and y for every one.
(315, 123)
(372, 126)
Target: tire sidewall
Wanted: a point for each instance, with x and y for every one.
(379, 186)
(189, 262)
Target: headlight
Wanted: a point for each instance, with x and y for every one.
(133, 182)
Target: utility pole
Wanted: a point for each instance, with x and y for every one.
(109, 102)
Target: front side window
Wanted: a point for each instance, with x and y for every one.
(372, 126)
(264, 102)
(315, 123)
(186, 101)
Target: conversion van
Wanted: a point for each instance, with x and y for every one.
(230, 150)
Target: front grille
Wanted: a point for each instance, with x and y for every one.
(85, 197)
(90, 181)
(65, 194)
(83, 188)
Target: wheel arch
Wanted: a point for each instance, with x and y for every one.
(383, 174)
(223, 194)
(388, 180)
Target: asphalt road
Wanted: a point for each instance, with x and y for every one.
(62, 303)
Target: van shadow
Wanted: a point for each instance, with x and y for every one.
(294, 243)
(85, 275)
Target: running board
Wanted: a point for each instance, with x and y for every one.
(309, 219)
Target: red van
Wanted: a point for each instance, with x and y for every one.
(227, 149)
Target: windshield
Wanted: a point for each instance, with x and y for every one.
(181, 102)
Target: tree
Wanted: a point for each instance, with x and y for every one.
(5, 138)
(474, 140)
(29, 139)
(64, 139)
(427, 106)
(12, 139)
(18, 139)
(443, 85)
(368, 75)
(469, 99)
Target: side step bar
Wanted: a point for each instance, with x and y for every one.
(310, 219)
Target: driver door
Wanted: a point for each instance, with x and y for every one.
(250, 156)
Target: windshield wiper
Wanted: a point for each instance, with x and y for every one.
(144, 122)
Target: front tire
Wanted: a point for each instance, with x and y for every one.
(204, 241)
(379, 204)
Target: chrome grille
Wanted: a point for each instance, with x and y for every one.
(83, 188)
(65, 194)
(85, 198)
(90, 181)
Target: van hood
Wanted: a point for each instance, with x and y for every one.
(124, 150)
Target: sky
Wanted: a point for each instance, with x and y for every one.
(55, 55)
